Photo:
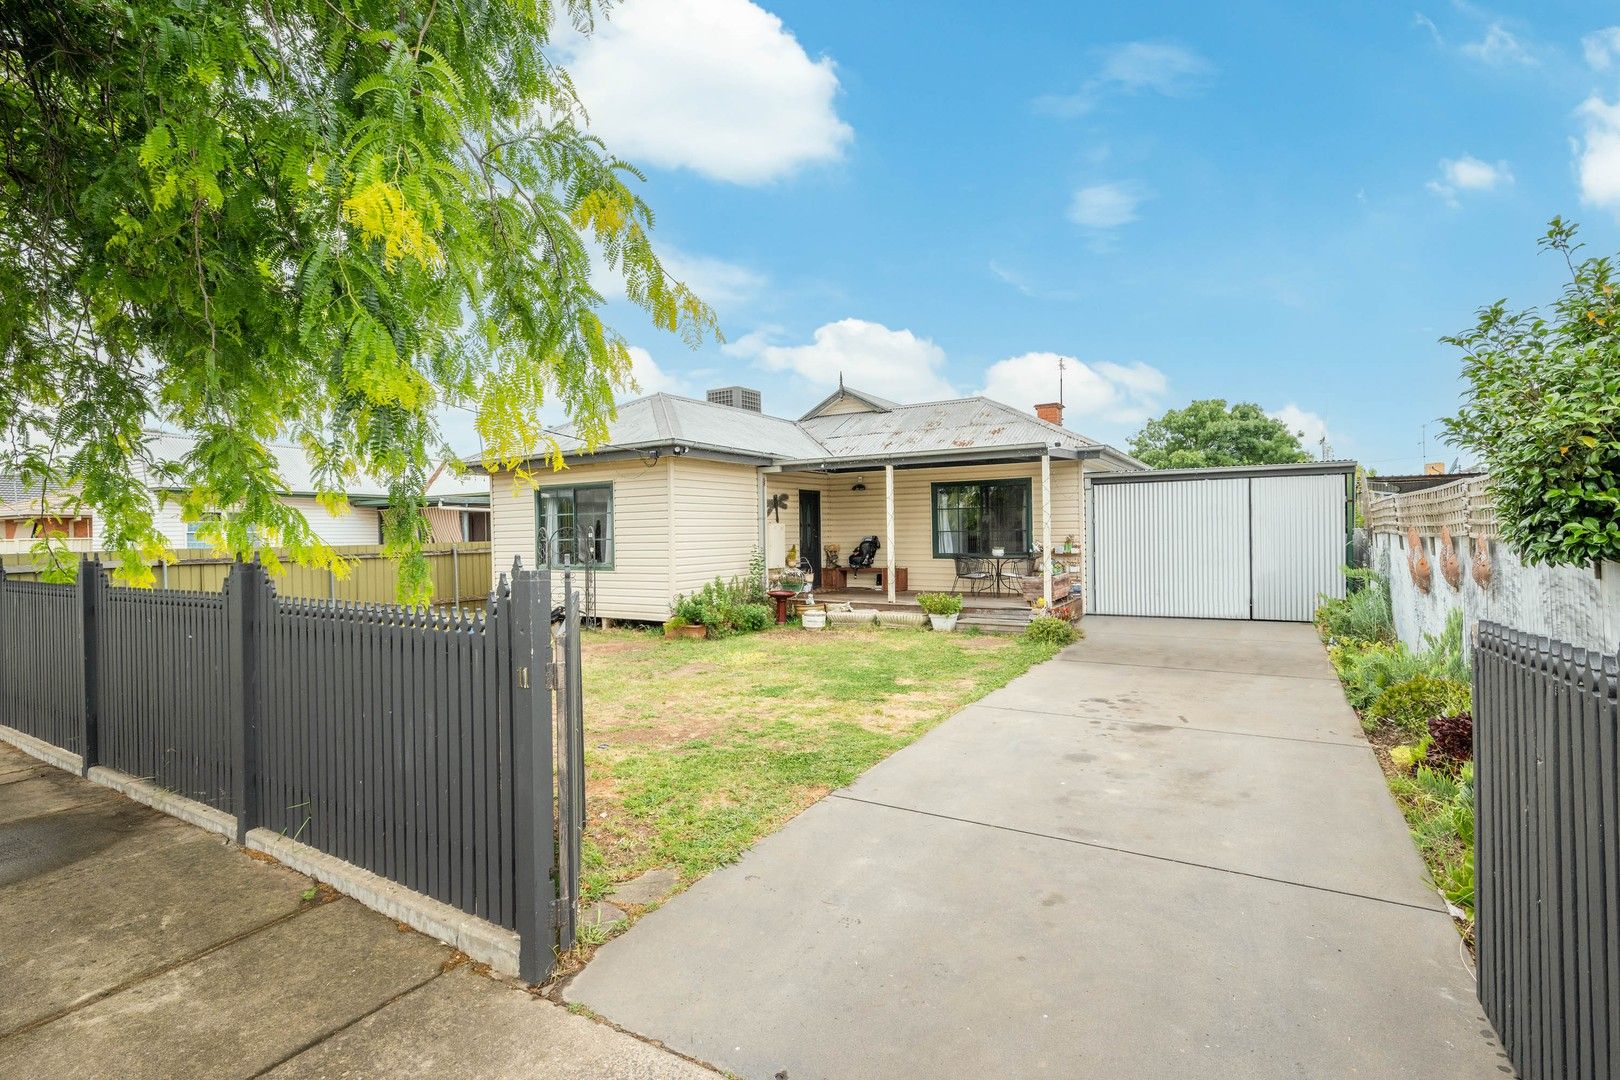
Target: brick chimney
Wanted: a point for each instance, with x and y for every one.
(1051, 412)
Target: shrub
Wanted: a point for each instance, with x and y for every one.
(1050, 630)
(675, 623)
(1452, 737)
(1411, 704)
(724, 608)
(753, 617)
(689, 609)
(938, 603)
(1363, 614)
(1368, 670)
(1539, 393)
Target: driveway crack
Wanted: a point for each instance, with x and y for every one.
(1146, 855)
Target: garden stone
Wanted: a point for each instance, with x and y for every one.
(649, 888)
(601, 914)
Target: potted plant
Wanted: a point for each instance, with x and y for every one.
(942, 608)
(687, 619)
(1068, 544)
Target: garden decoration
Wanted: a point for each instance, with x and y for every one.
(776, 504)
(1482, 562)
(830, 551)
(1450, 565)
(1417, 562)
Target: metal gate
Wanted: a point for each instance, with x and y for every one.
(1247, 543)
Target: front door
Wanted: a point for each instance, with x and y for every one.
(810, 531)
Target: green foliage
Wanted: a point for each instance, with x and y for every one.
(724, 607)
(755, 581)
(1362, 615)
(1541, 410)
(676, 622)
(1208, 433)
(1411, 704)
(1367, 670)
(323, 220)
(1050, 630)
(937, 603)
(752, 618)
(1439, 809)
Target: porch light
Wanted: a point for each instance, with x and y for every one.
(859, 485)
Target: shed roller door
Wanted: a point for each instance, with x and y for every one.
(1173, 547)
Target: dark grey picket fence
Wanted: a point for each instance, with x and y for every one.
(1547, 852)
(442, 750)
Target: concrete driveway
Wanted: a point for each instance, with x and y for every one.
(1167, 852)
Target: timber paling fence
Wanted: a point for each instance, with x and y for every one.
(1547, 852)
(442, 750)
(459, 572)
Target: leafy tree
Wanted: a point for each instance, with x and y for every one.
(324, 219)
(1541, 409)
(1211, 433)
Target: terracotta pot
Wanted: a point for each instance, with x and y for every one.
(696, 630)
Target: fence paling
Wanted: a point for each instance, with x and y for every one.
(1548, 831)
(416, 744)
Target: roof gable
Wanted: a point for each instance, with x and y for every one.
(847, 399)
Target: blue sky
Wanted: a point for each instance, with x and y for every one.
(1274, 202)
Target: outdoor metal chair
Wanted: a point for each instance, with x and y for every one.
(978, 576)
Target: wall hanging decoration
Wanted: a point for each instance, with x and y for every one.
(1482, 562)
(1450, 565)
(1418, 562)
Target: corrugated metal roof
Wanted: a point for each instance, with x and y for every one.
(1221, 472)
(928, 428)
(959, 424)
(666, 418)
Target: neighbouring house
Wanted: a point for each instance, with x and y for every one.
(684, 491)
(458, 507)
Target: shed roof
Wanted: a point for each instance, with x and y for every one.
(927, 429)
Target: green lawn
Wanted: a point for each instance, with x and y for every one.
(696, 749)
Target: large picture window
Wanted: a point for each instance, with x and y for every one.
(978, 517)
(576, 526)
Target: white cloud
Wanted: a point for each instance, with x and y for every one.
(1598, 153)
(1499, 48)
(1468, 173)
(890, 363)
(719, 283)
(1100, 391)
(1135, 67)
(1106, 206)
(1032, 289)
(1422, 20)
(1601, 48)
(720, 87)
(651, 378)
(1309, 426)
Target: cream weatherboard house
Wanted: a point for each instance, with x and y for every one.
(685, 490)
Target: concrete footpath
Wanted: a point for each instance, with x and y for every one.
(133, 945)
(1166, 853)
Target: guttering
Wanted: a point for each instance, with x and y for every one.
(658, 447)
(1305, 468)
(974, 455)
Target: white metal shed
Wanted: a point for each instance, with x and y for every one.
(1252, 542)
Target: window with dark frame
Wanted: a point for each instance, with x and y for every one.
(976, 517)
(576, 526)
